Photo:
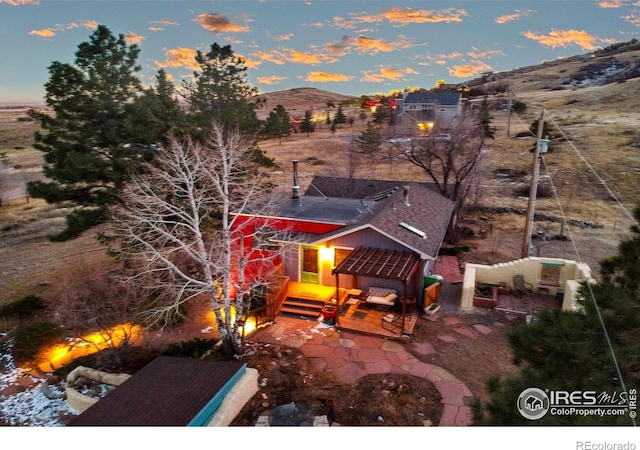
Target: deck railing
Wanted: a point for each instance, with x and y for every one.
(276, 295)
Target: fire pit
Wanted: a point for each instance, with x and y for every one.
(291, 415)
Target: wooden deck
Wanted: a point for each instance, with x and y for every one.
(359, 316)
(355, 315)
(309, 291)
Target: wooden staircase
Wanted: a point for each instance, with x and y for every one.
(306, 308)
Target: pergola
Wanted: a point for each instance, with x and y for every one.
(379, 263)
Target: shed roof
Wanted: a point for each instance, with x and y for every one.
(168, 391)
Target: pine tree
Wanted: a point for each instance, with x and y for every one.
(278, 123)
(370, 140)
(307, 125)
(221, 93)
(156, 115)
(87, 147)
(340, 117)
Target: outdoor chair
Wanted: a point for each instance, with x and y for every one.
(522, 287)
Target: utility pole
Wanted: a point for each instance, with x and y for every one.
(533, 190)
(510, 106)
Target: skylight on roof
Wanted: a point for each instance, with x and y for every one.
(413, 229)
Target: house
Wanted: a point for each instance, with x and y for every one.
(349, 234)
(422, 110)
(172, 391)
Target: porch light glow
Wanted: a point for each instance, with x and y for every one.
(327, 254)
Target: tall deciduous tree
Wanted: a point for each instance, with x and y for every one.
(450, 162)
(177, 249)
(87, 142)
(278, 123)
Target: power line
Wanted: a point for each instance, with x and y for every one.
(573, 242)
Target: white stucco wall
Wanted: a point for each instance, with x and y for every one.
(571, 274)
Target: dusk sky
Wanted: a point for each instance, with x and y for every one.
(347, 47)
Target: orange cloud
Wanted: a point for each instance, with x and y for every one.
(20, 2)
(363, 44)
(50, 32)
(218, 23)
(517, 15)
(163, 22)
(341, 22)
(296, 56)
(478, 54)
(386, 73)
(282, 37)
(401, 17)
(89, 24)
(611, 4)
(284, 55)
(468, 70)
(180, 57)
(633, 19)
(324, 77)
(45, 33)
(271, 80)
(133, 38)
(249, 63)
(564, 38)
(274, 57)
(155, 29)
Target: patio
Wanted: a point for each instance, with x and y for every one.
(359, 316)
(355, 314)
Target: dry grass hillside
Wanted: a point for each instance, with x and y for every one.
(591, 176)
(299, 100)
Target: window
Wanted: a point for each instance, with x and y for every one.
(550, 274)
(340, 254)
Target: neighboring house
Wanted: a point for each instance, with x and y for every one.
(338, 218)
(444, 108)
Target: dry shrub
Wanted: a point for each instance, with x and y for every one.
(86, 296)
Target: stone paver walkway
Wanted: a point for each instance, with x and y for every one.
(350, 356)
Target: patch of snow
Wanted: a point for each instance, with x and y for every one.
(30, 407)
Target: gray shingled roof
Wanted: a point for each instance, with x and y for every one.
(427, 212)
(440, 98)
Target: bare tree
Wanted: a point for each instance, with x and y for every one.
(450, 160)
(178, 229)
